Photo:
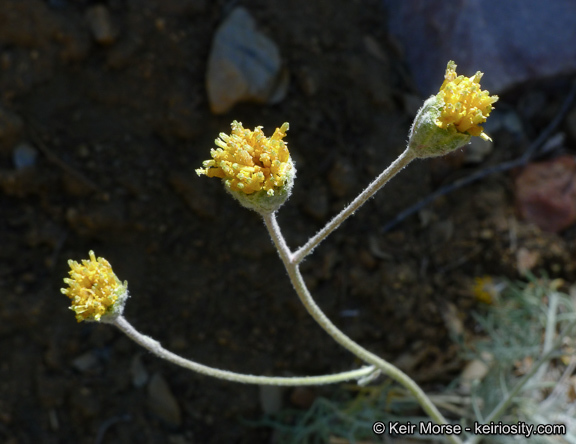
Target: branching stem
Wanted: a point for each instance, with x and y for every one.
(292, 267)
(404, 159)
(155, 348)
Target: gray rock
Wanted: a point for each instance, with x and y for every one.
(24, 156)
(162, 402)
(510, 41)
(101, 25)
(85, 362)
(270, 398)
(138, 370)
(244, 65)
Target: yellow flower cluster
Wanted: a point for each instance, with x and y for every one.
(248, 161)
(93, 288)
(466, 106)
(484, 289)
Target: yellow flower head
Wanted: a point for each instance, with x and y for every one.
(465, 105)
(483, 289)
(248, 161)
(94, 289)
(487, 290)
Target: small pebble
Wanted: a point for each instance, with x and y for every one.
(303, 397)
(526, 260)
(24, 156)
(342, 178)
(101, 25)
(138, 370)
(474, 371)
(162, 401)
(307, 80)
(85, 362)
(270, 398)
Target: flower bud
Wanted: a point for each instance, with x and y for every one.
(448, 120)
(256, 170)
(96, 293)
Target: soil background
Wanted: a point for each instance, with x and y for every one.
(119, 129)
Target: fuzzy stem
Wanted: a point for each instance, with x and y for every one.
(155, 348)
(388, 369)
(404, 159)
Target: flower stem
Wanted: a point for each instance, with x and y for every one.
(404, 159)
(314, 310)
(155, 348)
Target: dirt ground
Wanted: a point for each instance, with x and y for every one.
(119, 130)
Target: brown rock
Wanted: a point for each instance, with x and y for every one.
(303, 397)
(546, 193)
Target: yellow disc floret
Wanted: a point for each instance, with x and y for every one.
(465, 105)
(94, 289)
(248, 161)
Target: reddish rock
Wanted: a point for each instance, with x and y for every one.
(546, 193)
